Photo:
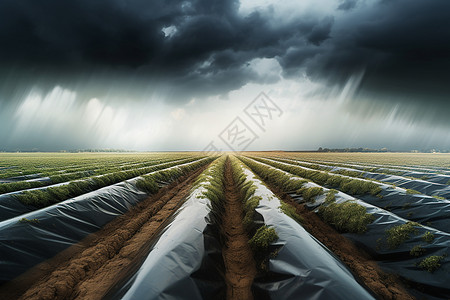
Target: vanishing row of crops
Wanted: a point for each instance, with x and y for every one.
(32, 172)
(400, 220)
(406, 230)
(25, 200)
(61, 215)
(290, 263)
(407, 161)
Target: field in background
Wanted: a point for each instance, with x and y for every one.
(262, 213)
(439, 160)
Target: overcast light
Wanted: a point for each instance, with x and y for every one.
(172, 76)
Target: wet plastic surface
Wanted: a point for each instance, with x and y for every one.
(179, 265)
(419, 208)
(436, 175)
(398, 260)
(10, 207)
(185, 260)
(425, 186)
(31, 238)
(303, 268)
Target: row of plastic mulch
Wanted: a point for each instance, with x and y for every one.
(11, 207)
(419, 208)
(34, 237)
(398, 260)
(303, 268)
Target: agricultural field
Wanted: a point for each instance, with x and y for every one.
(251, 225)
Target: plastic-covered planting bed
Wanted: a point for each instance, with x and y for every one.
(48, 178)
(87, 169)
(397, 248)
(423, 209)
(21, 178)
(11, 207)
(303, 268)
(62, 176)
(185, 260)
(437, 175)
(31, 238)
(421, 185)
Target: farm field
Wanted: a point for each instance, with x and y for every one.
(251, 225)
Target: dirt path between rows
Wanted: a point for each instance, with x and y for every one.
(89, 269)
(240, 267)
(386, 286)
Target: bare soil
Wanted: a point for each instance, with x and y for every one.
(240, 267)
(382, 284)
(89, 269)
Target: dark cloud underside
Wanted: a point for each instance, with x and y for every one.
(402, 45)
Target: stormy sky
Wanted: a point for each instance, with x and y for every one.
(173, 75)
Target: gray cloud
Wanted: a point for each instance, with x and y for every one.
(347, 4)
(65, 44)
(402, 45)
(118, 49)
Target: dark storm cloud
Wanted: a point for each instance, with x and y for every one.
(402, 45)
(403, 48)
(347, 4)
(55, 43)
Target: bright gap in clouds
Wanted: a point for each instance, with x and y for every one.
(96, 123)
(314, 116)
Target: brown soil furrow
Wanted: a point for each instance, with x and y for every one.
(386, 286)
(90, 268)
(240, 267)
(99, 283)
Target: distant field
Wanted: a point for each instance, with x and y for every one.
(440, 160)
(80, 172)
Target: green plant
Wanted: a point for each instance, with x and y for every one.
(248, 189)
(25, 220)
(309, 193)
(52, 195)
(263, 237)
(249, 211)
(428, 237)
(274, 176)
(417, 251)
(212, 180)
(431, 263)
(347, 185)
(397, 235)
(349, 173)
(359, 187)
(348, 216)
(438, 197)
(331, 196)
(147, 184)
(411, 192)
